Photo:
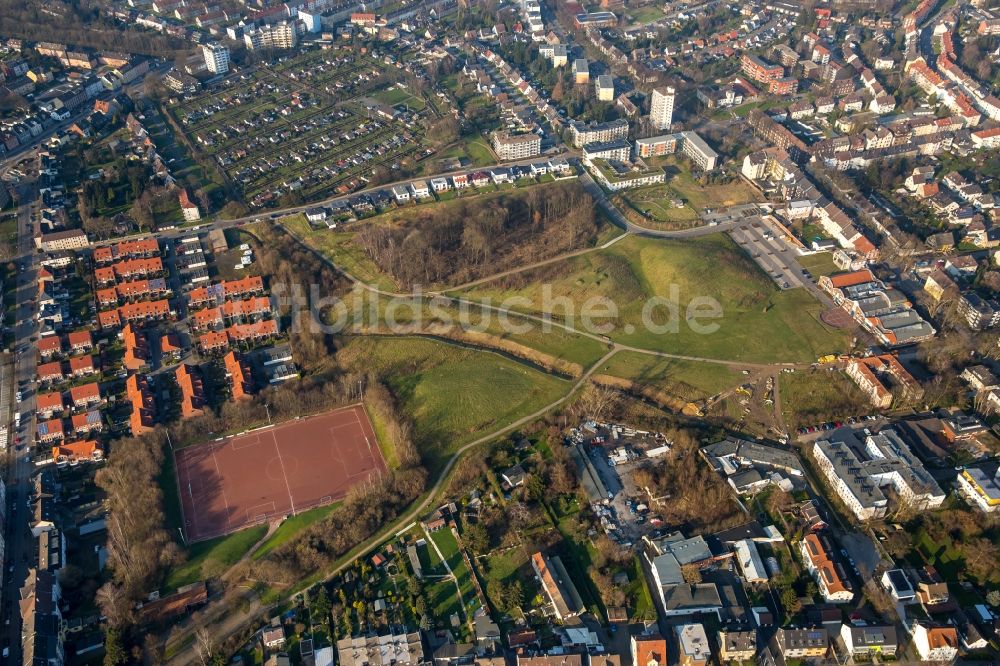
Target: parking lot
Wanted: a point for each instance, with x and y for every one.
(313, 125)
(772, 254)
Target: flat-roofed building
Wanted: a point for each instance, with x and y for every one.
(693, 644)
(604, 88)
(737, 644)
(386, 650)
(516, 146)
(981, 486)
(870, 640)
(801, 643)
(857, 470)
(661, 107)
(749, 561)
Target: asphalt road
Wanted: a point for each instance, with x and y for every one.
(20, 545)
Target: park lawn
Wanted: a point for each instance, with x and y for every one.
(688, 380)
(393, 96)
(810, 397)
(207, 559)
(477, 326)
(655, 202)
(818, 264)
(759, 322)
(291, 526)
(453, 394)
(340, 248)
(8, 228)
(472, 149)
(645, 14)
(683, 185)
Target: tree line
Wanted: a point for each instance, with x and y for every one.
(468, 240)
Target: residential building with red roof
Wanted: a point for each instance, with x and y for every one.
(238, 373)
(80, 342)
(131, 269)
(81, 365)
(649, 650)
(86, 423)
(85, 395)
(558, 587)
(251, 307)
(213, 341)
(50, 431)
(143, 407)
(109, 319)
(876, 376)
(170, 345)
(48, 372)
(77, 452)
(136, 348)
(829, 574)
(107, 297)
(188, 208)
(49, 346)
(144, 311)
(253, 332)
(48, 404)
(192, 391)
(252, 285)
(207, 319)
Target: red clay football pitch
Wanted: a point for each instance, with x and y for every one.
(276, 471)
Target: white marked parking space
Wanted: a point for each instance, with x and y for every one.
(770, 252)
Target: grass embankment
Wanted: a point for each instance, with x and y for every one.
(685, 380)
(758, 322)
(453, 394)
(211, 558)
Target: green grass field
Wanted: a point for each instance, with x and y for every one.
(688, 380)
(292, 526)
(471, 149)
(454, 395)
(210, 558)
(758, 322)
(682, 184)
(818, 264)
(443, 598)
(655, 201)
(645, 14)
(393, 96)
(339, 247)
(809, 397)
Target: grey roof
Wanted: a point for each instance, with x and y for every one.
(882, 459)
(872, 636)
(679, 598)
(668, 571)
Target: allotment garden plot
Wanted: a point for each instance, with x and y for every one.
(310, 126)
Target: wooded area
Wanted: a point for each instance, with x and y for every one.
(80, 25)
(469, 240)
